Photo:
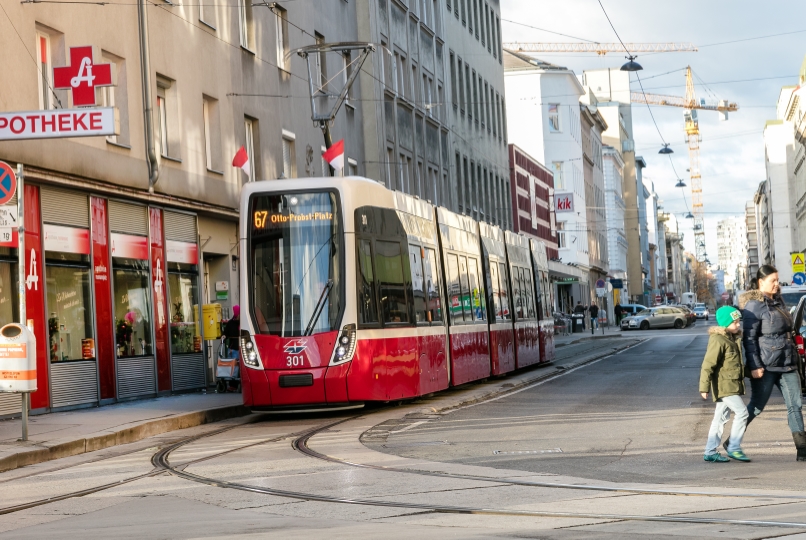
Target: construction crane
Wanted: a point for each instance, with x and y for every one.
(691, 105)
(599, 48)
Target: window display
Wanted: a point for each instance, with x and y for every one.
(132, 307)
(183, 298)
(70, 335)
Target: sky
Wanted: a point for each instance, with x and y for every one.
(732, 152)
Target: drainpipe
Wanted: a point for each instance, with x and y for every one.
(145, 80)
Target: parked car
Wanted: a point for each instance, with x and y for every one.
(632, 309)
(701, 311)
(691, 318)
(657, 317)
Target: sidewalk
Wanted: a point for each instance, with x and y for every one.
(63, 434)
(609, 332)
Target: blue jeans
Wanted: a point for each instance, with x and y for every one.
(789, 385)
(721, 416)
(594, 322)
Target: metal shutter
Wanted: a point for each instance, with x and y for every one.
(128, 218)
(188, 371)
(180, 227)
(63, 207)
(73, 383)
(136, 376)
(10, 404)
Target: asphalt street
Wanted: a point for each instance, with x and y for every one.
(468, 463)
(634, 417)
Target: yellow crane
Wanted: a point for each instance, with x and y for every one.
(691, 105)
(599, 48)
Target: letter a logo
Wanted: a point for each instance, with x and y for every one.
(84, 73)
(33, 278)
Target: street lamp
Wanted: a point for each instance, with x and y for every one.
(680, 183)
(632, 65)
(665, 149)
(689, 216)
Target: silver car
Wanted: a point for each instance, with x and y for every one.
(701, 311)
(656, 317)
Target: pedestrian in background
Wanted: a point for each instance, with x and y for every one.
(618, 311)
(593, 311)
(722, 374)
(772, 358)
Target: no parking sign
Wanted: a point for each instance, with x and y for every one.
(8, 183)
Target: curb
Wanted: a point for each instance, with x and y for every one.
(123, 436)
(588, 338)
(499, 391)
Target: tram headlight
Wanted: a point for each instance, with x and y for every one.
(249, 352)
(345, 348)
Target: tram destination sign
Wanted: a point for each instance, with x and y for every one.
(59, 123)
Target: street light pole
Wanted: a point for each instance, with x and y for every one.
(21, 276)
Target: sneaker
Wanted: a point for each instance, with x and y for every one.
(715, 458)
(738, 455)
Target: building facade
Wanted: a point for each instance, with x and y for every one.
(532, 199)
(752, 245)
(614, 216)
(732, 243)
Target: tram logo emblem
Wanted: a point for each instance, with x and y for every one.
(296, 346)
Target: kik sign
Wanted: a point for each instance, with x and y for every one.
(564, 202)
(82, 76)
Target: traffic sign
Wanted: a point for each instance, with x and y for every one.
(798, 263)
(601, 292)
(600, 284)
(799, 278)
(8, 183)
(725, 295)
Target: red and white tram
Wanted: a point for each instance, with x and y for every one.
(354, 293)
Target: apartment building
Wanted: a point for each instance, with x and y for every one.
(731, 236)
(439, 129)
(116, 272)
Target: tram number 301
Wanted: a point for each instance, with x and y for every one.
(295, 361)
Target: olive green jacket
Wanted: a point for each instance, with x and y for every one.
(722, 371)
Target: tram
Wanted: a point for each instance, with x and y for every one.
(353, 293)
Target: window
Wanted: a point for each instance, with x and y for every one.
(489, 37)
(464, 12)
(432, 288)
(495, 291)
(281, 25)
(207, 14)
(321, 64)
(391, 282)
(212, 134)
(517, 297)
(116, 96)
(498, 41)
(502, 272)
(367, 298)
(494, 38)
(418, 284)
(462, 95)
(244, 23)
(404, 173)
(561, 240)
(162, 123)
(475, 96)
(493, 118)
(69, 305)
(249, 140)
(289, 156)
(469, 94)
(352, 167)
(390, 159)
(454, 92)
(208, 143)
(454, 289)
(528, 293)
(476, 16)
(45, 69)
(183, 291)
(554, 118)
(347, 70)
(477, 304)
(559, 179)
(132, 305)
(108, 100)
(460, 192)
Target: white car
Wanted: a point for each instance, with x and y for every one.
(701, 311)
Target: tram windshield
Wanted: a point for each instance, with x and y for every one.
(296, 255)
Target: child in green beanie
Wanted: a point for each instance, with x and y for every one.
(723, 373)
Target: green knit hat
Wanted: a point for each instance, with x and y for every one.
(726, 315)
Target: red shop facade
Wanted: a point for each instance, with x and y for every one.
(112, 289)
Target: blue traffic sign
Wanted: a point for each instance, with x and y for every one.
(8, 183)
(799, 278)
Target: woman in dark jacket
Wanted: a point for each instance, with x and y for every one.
(771, 357)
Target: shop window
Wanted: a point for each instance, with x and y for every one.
(70, 335)
(418, 285)
(476, 294)
(132, 306)
(9, 294)
(454, 290)
(391, 283)
(432, 286)
(183, 291)
(367, 299)
(502, 274)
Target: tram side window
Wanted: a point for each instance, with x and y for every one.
(529, 293)
(516, 293)
(367, 297)
(432, 286)
(391, 282)
(463, 281)
(502, 274)
(496, 290)
(454, 290)
(418, 284)
(477, 303)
